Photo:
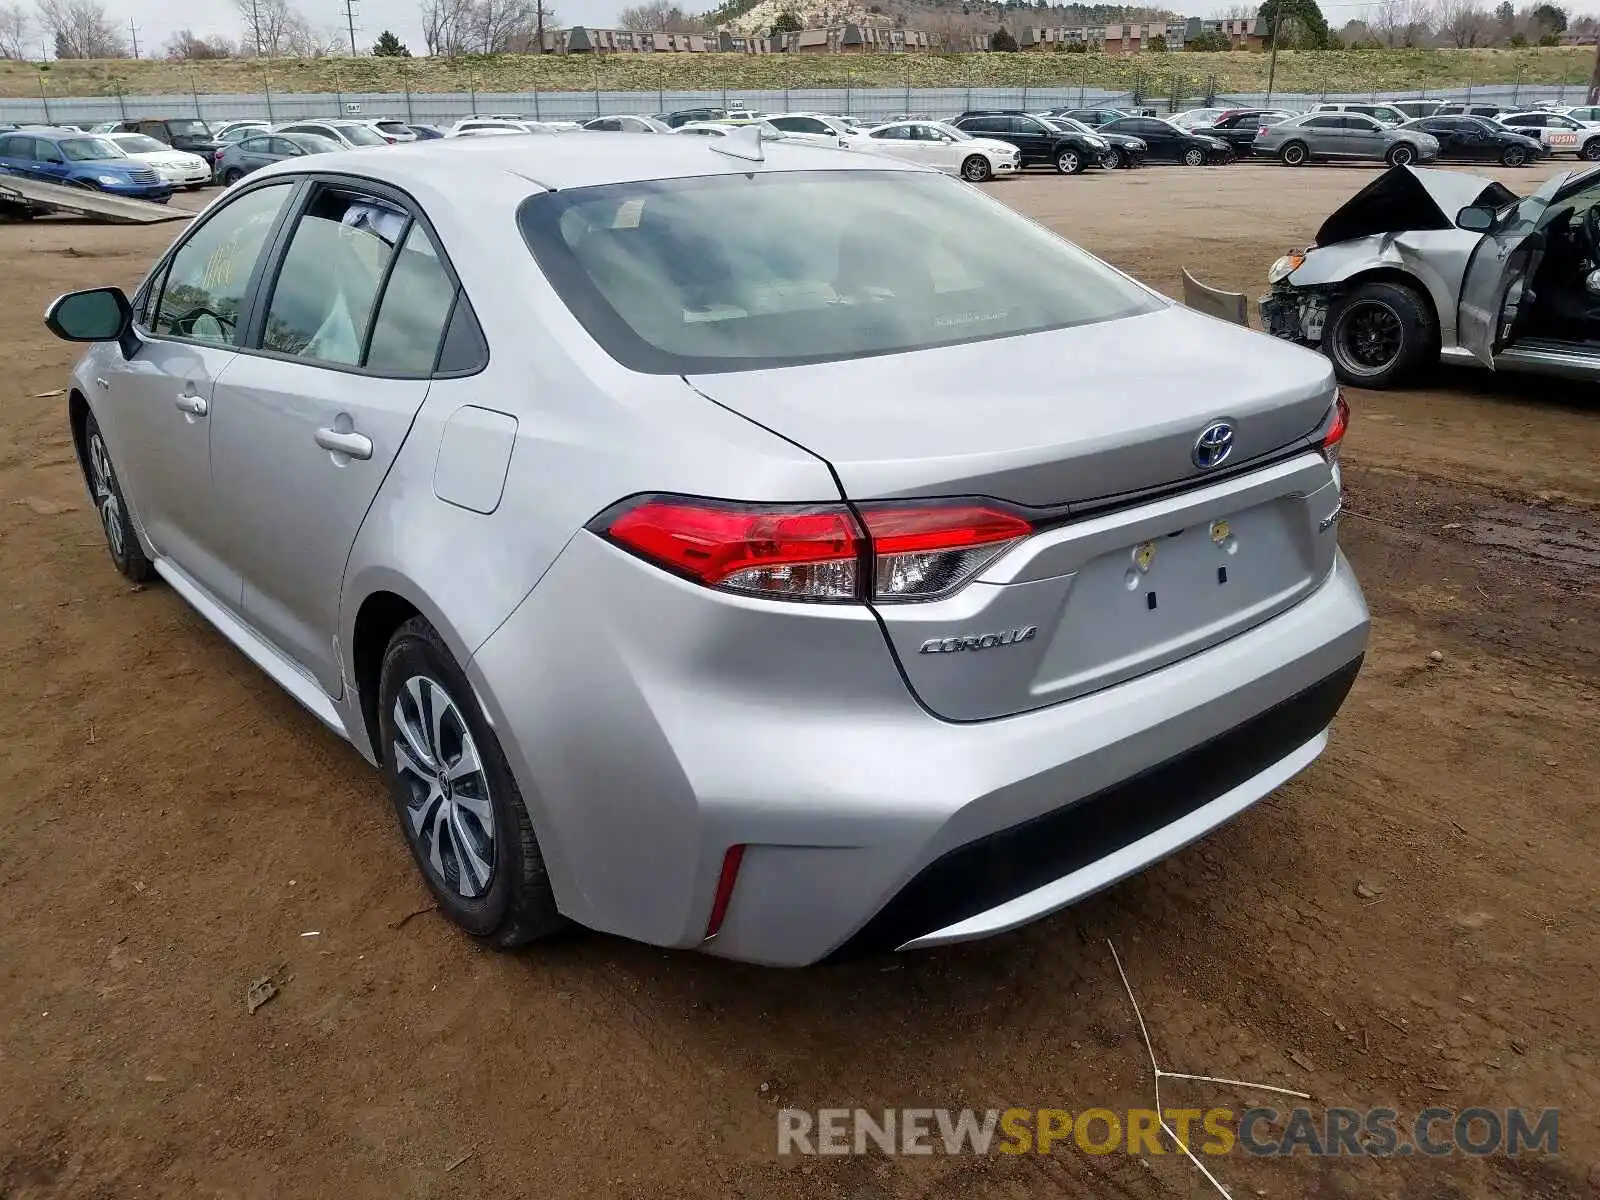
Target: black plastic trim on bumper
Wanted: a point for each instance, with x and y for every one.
(1013, 862)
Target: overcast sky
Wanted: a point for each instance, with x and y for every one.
(159, 20)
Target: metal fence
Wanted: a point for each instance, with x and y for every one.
(1154, 92)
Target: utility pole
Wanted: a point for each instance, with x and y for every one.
(133, 30)
(1272, 64)
(350, 23)
(255, 24)
(1594, 75)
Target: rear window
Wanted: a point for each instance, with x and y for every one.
(360, 135)
(741, 272)
(188, 127)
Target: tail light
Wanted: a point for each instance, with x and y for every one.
(1338, 423)
(825, 552)
(1262, 132)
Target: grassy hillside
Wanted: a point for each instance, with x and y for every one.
(1298, 71)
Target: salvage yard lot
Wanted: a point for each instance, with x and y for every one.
(1411, 923)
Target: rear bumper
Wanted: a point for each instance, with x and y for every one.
(652, 725)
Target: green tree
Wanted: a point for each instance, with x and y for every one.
(389, 46)
(1001, 39)
(1157, 44)
(787, 22)
(1518, 41)
(1305, 12)
(1550, 18)
(1207, 40)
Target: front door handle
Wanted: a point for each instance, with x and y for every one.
(356, 445)
(194, 406)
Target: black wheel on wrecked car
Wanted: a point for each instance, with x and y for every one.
(1591, 149)
(1294, 154)
(1401, 155)
(1514, 156)
(1377, 333)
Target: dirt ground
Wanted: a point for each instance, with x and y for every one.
(1410, 923)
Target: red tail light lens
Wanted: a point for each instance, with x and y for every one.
(1339, 424)
(816, 552)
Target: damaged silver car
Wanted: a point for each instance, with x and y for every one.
(1425, 265)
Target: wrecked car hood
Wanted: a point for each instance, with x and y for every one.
(1406, 199)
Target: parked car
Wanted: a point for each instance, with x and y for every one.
(180, 168)
(820, 129)
(1238, 127)
(1426, 265)
(1121, 149)
(1038, 143)
(769, 133)
(1416, 109)
(733, 548)
(1094, 118)
(224, 131)
(238, 159)
(1383, 114)
(1474, 139)
(1491, 111)
(181, 133)
(627, 124)
(352, 135)
(82, 160)
(470, 126)
(1584, 114)
(1559, 134)
(1197, 118)
(1165, 142)
(426, 133)
(684, 115)
(390, 129)
(1344, 135)
(936, 144)
(237, 131)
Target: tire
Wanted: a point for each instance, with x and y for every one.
(1112, 159)
(1513, 156)
(1069, 162)
(1194, 157)
(1401, 155)
(975, 168)
(1591, 150)
(490, 878)
(1364, 320)
(105, 489)
(1294, 154)
(231, 176)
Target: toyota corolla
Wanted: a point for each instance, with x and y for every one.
(649, 511)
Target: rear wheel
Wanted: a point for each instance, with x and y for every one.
(1294, 154)
(1401, 155)
(232, 176)
(1194, 157)
(1111, 159)
(1591, 149)
(1069, 162)
(458, 803)
(1514, 156)
(975, 169)
(1378, 333)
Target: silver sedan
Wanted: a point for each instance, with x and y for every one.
(703, 539)
(1344, 135)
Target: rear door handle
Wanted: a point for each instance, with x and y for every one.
(195, 406)
(356, 445)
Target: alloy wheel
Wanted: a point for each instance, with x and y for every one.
(1111, 159)
(103, 482)
(1370, 337)
(448, 808)
(1400, 156)
(975, 170)
(1194, 158)
(1067, 163)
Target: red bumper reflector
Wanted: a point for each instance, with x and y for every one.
(731, 861)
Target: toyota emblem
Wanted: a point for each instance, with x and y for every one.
(1212, 447)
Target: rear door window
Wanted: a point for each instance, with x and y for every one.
(414, 311)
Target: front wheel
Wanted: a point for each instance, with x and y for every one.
(115, 521)
(459, 806)
(1194, 157)
(1591, 150)
(1401, 156)
(1514, 156)
(975, 169)
(1294, 154)
(1069, 162)
(1379, 333)
(1111, 159)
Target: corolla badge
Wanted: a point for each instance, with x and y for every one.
(1213, 445)
(983, 641)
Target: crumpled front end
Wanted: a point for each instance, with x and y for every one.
(1295, 314)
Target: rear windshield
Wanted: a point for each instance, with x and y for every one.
(188, 127)
(740, 272)
(360, 135)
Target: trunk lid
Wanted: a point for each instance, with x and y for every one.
(1044, 420)
(1082, 419)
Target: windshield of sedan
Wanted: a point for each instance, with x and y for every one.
(137, 143)
(360, 135)
(313, 143)
(686, 276)
(188, 127)
(89, 149)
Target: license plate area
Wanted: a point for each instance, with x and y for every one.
(1164, 597)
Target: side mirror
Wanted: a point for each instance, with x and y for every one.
(97, 315)
(1475, 219)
